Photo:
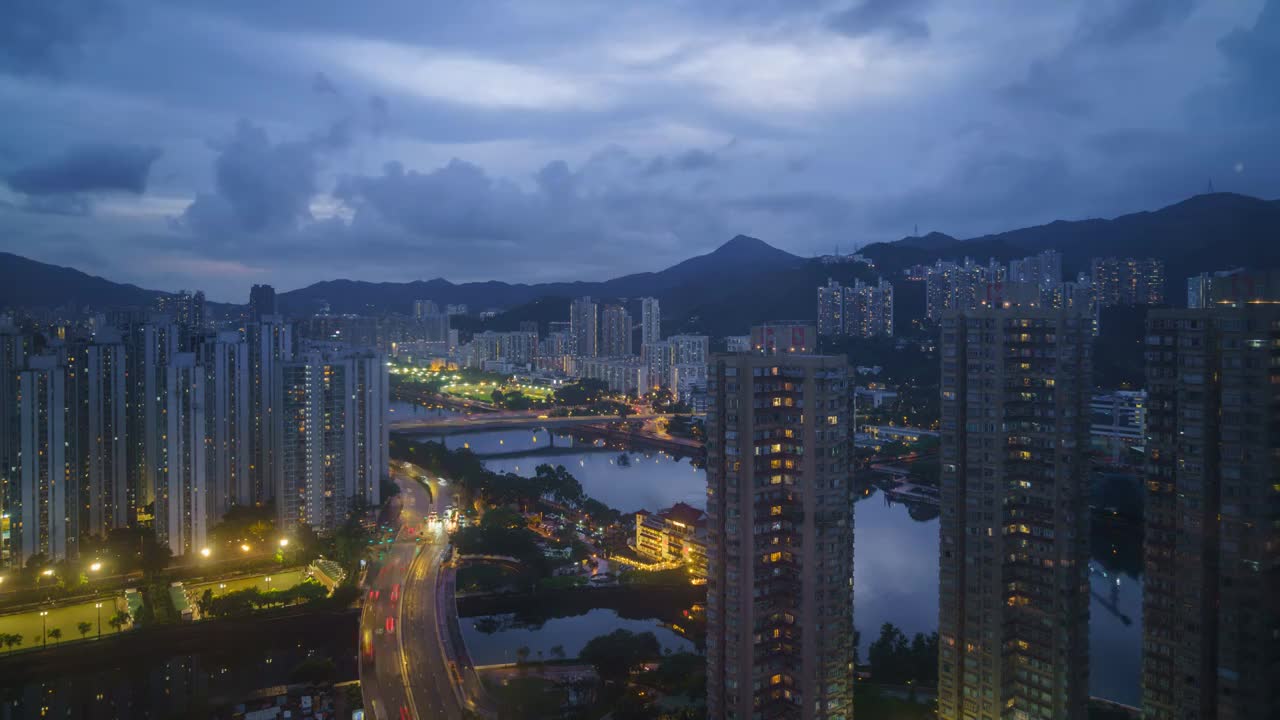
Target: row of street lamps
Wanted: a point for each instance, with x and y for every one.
(244, 547)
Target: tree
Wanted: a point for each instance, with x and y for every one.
(557, 652)
(84, 627)
(614, 655)
(522, 654)
(56, 634)
(9, 640)
(155, 557)
(119, 620)
(496, 395)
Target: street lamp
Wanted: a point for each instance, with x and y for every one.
(44, 628)
(205, 552)
(284, 542)
(47, 572)
(245, 547)
(95, 566)
(98, 608)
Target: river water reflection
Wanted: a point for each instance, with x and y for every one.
(895, 552)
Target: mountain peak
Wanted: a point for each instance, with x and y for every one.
(744, 243)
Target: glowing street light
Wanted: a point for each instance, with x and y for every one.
(284, 542)
(95, 566)
(47, 572)
(205, 552)
(245, 547)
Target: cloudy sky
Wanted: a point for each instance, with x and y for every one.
(186, 144)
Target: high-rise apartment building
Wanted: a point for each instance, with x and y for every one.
(961, 286)
(101, 432)
(858, 310)
(1013, 578)
(831, 308)
(262, 302)
(583, 333)
(779, 537)
(334, 450)
(14, 348)
(1212, 535)
(650, 321)
(1043, 269)
(270, 346)
(224, 358)
(784, 337)
(149, 347)
(182, 519)
(615, 331)
(1128, 281)
(1232, 286)
(45, 518)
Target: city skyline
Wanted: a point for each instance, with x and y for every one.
(318, 130)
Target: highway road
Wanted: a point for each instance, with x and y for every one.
(404, 673)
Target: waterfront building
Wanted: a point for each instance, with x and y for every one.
(1212, 534)
(780, 638)
(1128, 281)
(621, 375)
(675, 535)
(1013, 562)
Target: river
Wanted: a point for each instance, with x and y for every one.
(895, 555)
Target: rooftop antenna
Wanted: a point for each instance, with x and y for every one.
(1210, 186)
(915, 231)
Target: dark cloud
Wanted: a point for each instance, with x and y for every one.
(687, 161)
(1049, 85)
(320, 83)
(261, 185)
(896, 19)
(1053, 82)
(87, 169)
(38, 36)
(1119, 23)
(1253, 57)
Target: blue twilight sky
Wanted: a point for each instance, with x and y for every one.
(222, 143)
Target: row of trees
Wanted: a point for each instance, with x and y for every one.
(84, 627)
(897, 661)
(243, 602)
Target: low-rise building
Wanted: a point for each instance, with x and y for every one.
(674, 535)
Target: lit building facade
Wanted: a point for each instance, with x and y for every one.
(615, 331)
(1128, 281)
(181, 506)
(675, 535)
(583, 328)
(1013, 561)
(650, 321)
(779, 537)
(1212, 534)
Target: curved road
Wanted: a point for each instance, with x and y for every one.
(404, 673)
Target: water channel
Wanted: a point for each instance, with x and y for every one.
(895, 557)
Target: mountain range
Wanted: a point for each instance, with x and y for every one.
(747, 280)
